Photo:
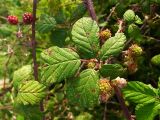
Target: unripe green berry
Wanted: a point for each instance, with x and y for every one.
(156, 60)
(105, 34)
(129, 16)
(133, 30)
(106, 90)
(136, 50)
(105, 86)
(91, 65)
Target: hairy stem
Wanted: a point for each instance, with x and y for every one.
(122, 103)
(89, 5)
(34, 41)
(35, 67)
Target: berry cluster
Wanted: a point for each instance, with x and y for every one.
(106, 90)
(105, 34)
(130, 57)
(13, 20)
(136, 50)
(27, 19)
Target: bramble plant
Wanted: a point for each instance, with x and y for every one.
(62, 63)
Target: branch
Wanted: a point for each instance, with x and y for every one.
(34, 50)
(111, 12)
(34, 41)
(89, 5)
(6, 107)
(122, 103)
(5, 90)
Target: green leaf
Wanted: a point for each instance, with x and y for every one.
(46, 24)
(84, 91)
(147, 111)
(84, 116)
(60, 63)
(78, 12)
(25, 73)
(85, 36)
(133, 31)
(138, 20)
(30, 112)
(58, 36)
(129, 16)
(112, 70)
(140, 93)
(113, 46)
(30, 92)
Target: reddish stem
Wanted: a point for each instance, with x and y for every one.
(34, 41)
(89, 5)
(35, 67)
(122, 103)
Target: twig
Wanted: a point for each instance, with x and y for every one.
(122, 103)
(89, 5)
(120, 29)
(6, 107)
(4, 91)
(78, 71)
(34, 50)
(109, 16)
(105, 111)
(112, 11)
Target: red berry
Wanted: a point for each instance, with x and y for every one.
(27, 18)
(13, 20)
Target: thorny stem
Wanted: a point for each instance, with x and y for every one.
(122, 103)
(91, 10)
(89, 5)
(35, 67)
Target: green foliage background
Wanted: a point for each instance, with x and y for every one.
(58, 32)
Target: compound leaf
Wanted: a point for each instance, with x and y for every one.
(85, 36)
(84, 91)
(60, 63)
